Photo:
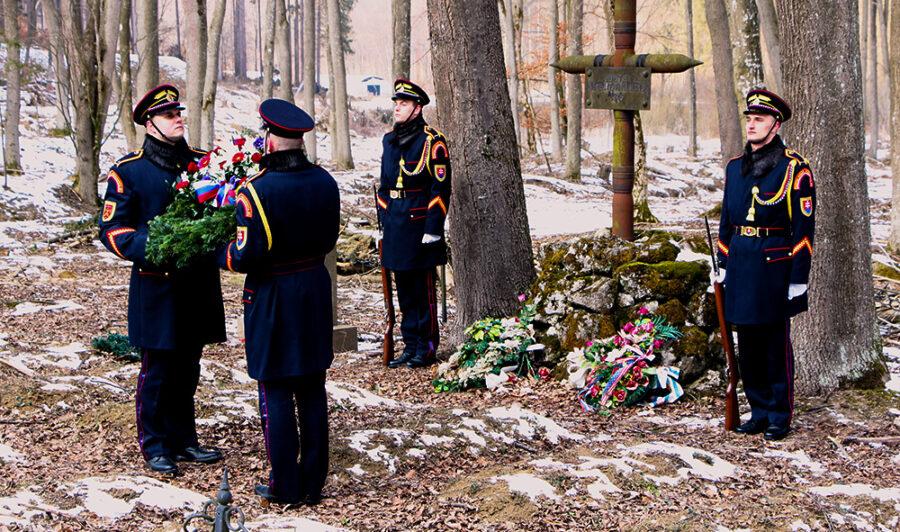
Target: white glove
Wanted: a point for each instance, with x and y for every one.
(430, 239)
(720, 278)
(796, 290)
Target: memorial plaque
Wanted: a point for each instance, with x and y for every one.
(617, 88)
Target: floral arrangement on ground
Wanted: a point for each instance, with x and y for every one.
(200, 218)
(617, 371)
(495, 351)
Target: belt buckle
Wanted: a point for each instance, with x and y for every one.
(395, 194)
(749, 231)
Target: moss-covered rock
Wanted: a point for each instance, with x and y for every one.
(356, 253)
(587, 288)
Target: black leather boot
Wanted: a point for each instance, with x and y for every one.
(198, 454)
(398, 362)
(163, 464)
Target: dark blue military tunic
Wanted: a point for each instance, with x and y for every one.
(413, 196)
(172, 312)
(766, 238)
(167, 308)
(288, 219)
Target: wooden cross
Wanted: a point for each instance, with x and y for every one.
(621, 82)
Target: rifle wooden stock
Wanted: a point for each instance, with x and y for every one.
(387, 290)
(731, 402)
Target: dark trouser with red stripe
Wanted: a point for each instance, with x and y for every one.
(766, 360)
(281, 403)
(417, 296)
(164, 402)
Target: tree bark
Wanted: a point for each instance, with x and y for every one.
(641, 179)
(240, 41)
(126, 94)
(197, 44)
(309, 73)
(864, 48)
(748, 67)
(730, 135)
(837, 341)
(894, 243)
(269, 54)
(488, 201)
(208, 106)
(401, 39)
(12, 160)
(340, 139)
(63, 119)
(575, 19)
(768, 25)
(872, 80)
(147, 46)
(509, 54)
(296, 47)
(553, 82)
(692, 79)
(283, 52)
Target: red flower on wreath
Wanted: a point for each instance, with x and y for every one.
(239, 142)
(182, 184)
(192, 167)
(222, 165)
(544, 373)
(619, 395)
(204, 161)
(657, 344)
(643, 311)
(238, 157)
(256, 157)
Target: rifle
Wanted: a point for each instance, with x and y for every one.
(443, 293)
(387, 290)
(731, 402)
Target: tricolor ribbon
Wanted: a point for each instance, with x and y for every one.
(667, 379)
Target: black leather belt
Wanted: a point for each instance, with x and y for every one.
(397, 193)
(750, 230)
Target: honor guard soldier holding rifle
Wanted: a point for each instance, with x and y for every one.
(288, 219)
(764, 249)
(412, 201)
(172, 313)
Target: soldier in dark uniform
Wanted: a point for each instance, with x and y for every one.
(413, 198)
(172, 313)
(288, 217)
(766, 243)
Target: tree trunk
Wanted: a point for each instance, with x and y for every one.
(641, 180)
(509, 54)
(730, 135)
(552, 82)
(575, 18)
(283, 52)
(63, 120)
(309, 73)
(197, 44)
(401, 40)
(692, 79)
(259, 45)
(208, 106)
(178, 29)
(12, 160)
(894, 243)
(148, 45)
(340, 139)
(837, 341)
(297, 49)
(884, 112)
(864, 48)
(748, 71)
(30, 27)
(269, 53)
(240, 41)
(872, 81)
(768, 25)
(488, 201)
(126, 94)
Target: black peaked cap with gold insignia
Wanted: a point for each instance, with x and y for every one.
(158, 100)
(405, 89)
(761, 101)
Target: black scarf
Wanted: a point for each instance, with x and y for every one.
(285, 160)
(171, 157)
(405, 133)
(757, 164)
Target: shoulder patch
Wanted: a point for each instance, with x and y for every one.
(803, 173)
(109, 210)
(115, 180)
(243, 202)
(439, 150)
(133, 156)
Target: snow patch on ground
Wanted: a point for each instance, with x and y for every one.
(798, 459)
(528, 423)
(350, 394)
(859, 490)
(10, 455)
(283, 523)
(30, 308)
(699, 463)
(528, 485)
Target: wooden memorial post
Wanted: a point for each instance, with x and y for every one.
(621, 82)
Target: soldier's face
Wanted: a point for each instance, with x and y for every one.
(170, 124)
(404, 110)
(760, 128)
